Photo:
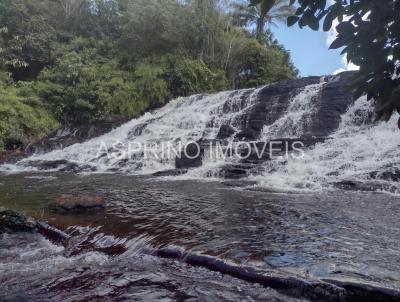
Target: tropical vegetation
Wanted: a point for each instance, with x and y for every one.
(69, 62)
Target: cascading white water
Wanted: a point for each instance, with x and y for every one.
(356, 149)
(162, 132)
(298, 117)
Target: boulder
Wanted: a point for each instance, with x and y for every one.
(247, 134)
(13, 222)
(190, 157)
(11, 156)
(173, 172)
(75, 202)
(226, 131)
(236, 171)
(62, 165)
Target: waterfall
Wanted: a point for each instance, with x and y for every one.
(355, 149)
(298, 118)
(180, 121)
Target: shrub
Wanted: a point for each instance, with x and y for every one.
(187, 76)
(23, 117)
(86, 87)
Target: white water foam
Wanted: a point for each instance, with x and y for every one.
(180, 121)
(298, 117)
(356, 149)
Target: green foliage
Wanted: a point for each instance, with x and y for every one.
(23, 118)
(260, 15)
(261, 66)
(150, 84)
(86, 87)
(187, 76)
(90, 60)
(369, 35)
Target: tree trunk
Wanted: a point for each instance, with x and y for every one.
(260, 29)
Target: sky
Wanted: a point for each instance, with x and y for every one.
(310, 51)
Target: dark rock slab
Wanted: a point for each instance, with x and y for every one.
(190, 157)
(336, 97)
(292, 286)
(369, 186)
(392, 174)
(236, 171)
(173, 172)
(226, 131)
(74, 134)
(14, 222)
(61, 165)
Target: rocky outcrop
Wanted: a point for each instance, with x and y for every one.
(190, 157)
(272, 103)
(71, 135)
(14, 222)
(60, 139)
(226, 131)
(334, 101)
(172, 172)
(60, 165)
(77, 203)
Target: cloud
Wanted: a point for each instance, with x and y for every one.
(346, 66)
(331, 36)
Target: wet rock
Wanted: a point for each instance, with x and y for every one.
(74, 134)
(262, 151)
(391, 175)
(334, 102)
(190, 157)
(247, 134)
(236, 171)
(368, 186)
(61, 165)
(348, 185)
(75, 202)
(12, 222)
(173, 172)
(11, 156)
(226, 131)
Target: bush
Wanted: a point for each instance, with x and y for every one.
(261, 66)
(187, 76)
(86, 87)
(23, 118)
(150, 84)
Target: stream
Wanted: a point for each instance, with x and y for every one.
(144, 245)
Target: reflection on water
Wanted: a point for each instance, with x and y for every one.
(335, 235)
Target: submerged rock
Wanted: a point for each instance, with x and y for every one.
(173, 172)
(13, 222)
(77, 203)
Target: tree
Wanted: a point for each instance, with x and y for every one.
(246, 15)
(369, 35)
(69, 7)
(79, 61)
